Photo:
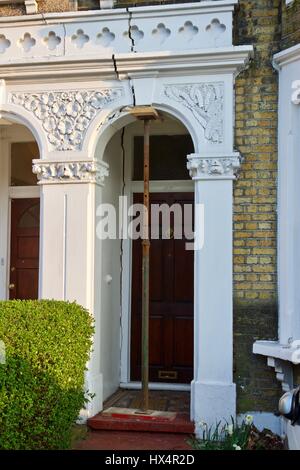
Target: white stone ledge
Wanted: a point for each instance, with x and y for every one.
(274, 349)
(286, 57)
(223, 60)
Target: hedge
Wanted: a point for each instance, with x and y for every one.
(47, 345)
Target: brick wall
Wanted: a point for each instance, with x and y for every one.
(255, 306)
(290, 24)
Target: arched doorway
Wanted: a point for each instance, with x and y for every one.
(20, 209)
(171, 292)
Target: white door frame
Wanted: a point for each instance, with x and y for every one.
(131, 187)
(10, 135)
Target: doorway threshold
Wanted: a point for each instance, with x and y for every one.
(169, 412)
(156, 386)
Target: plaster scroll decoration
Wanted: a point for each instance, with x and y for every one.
(213, 167)
(206, 102)
(70, 172)
(66, 115)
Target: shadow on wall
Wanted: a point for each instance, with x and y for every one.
(257, 387)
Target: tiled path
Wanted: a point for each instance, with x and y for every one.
(123, 440)
(158, 400)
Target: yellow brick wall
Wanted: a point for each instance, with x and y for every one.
(255, 228)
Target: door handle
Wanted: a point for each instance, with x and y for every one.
(11, 286)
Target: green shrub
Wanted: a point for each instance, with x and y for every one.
(47, 347)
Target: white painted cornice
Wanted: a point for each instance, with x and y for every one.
(231, 60)
(218, 60)
(59, 68)
(292, 54)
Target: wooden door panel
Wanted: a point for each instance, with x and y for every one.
(183, 356)
(27, 284)
(24, 258)
(157, 269)
(28, 248)
(156, 341)
(183, 272)
(171, 303)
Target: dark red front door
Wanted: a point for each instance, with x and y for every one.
(171, 303)
(24, 248)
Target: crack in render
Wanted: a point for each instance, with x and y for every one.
(122, 242)
(133, 92)
(129, 30)
(115, 66)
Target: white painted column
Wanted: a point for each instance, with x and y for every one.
(213, 391)
(67, 248)
(288, 204)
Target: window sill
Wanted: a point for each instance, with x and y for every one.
(290, 353)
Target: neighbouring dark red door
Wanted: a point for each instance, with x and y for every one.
(24, 248)
(171, 303)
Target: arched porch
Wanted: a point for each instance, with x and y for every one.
(75, 122)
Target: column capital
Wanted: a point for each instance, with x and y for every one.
(214, 167)
(73, 171)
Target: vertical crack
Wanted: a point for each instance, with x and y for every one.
(122, 242)
(130, 30)
(115, 66)
(133, 92)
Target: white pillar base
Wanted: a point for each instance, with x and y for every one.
(212, 403)
(94, 386)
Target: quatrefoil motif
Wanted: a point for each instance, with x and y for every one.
(4, 43)
(105, 38)
(80, 38)
(136, 34)
(161, 33)
(216, 27)
(27, 42)
(52, 41)
(188, 31)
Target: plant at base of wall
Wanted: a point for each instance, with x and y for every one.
(234, 436)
